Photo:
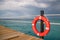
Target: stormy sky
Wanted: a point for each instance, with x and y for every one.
(28, 8)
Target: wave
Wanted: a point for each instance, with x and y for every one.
(55, 23)
(52, 23)
(37, 22)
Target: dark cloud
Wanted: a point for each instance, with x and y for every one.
(1, 0)
(54, 8)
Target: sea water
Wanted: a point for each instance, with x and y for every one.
(25, 26)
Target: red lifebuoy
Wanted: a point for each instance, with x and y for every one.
(47, 29)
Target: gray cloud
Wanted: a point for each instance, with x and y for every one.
(22, 8)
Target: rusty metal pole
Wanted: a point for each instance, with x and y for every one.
(42, 24)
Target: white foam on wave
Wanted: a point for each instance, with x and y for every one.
(55, 23)
(52, 23)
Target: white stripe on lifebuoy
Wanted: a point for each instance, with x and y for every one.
(40, 17)
(47, 28)
(38, 34)
(33, 24)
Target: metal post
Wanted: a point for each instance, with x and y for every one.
(42, 24)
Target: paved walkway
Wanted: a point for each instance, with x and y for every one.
(8, 34)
